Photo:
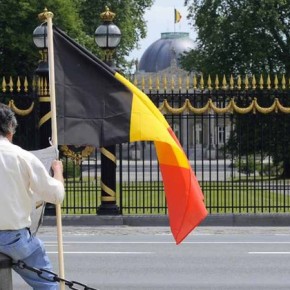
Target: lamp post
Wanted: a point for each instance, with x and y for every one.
(42, 85)
(107, 37)
(42, 91)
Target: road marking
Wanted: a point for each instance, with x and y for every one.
(282, 235)
(269, 253)
(137, 242)
(106, 253)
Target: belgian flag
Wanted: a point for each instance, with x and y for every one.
(177, 16)
(97, 106)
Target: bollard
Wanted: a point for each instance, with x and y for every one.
(5, 273)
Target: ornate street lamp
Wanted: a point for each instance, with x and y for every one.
(40, 41)
(40, 36)
(107, 37)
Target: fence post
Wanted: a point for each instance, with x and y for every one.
(5, 273)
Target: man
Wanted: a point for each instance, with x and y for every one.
(22, 175)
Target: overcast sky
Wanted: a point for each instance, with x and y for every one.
(160, 18)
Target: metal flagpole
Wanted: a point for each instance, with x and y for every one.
(48, 17)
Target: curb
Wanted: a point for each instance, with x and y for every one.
(231, 220)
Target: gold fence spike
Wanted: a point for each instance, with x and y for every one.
(4, 85)
(268, 82)
(239, 82)
(45, 88)
(216, 82)
(254, 83)
(201, 82)
(232, 83)
(150, 83)
(283, 82)
(261, 82)
(209, 83)
(26, 85)
(187, 82)
(246, 82)
(276, 82)
(194, 82)
(224, 83)
(164, 83)
(11, 84)
(157, 83)
(180, 83)
(18, 85)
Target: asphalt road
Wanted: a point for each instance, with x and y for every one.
(224, 258)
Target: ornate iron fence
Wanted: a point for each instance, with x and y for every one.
(235, 136)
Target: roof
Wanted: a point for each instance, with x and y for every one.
(159, 54)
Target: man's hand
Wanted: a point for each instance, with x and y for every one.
(57, 169)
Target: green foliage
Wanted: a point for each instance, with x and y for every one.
(78, 18)
(245, 165)
(18, 19)
(270, 169)
(239, 37)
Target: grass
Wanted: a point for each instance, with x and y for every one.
(84, 197)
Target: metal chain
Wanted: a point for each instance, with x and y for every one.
(53, 278)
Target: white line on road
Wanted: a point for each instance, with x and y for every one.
(269, 253)
(201, 243)
(287, 235)
(106, 253)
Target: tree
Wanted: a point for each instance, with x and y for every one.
(18, 19)
(78, 18)
(240, 36)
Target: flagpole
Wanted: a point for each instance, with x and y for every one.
(174, 23)
(48, 17)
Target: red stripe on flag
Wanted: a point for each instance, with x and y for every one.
(184, 200)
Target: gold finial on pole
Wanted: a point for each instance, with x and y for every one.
(107, 15)
(43, 16)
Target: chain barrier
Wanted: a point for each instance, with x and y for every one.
(53, 277)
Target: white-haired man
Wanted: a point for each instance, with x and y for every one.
(22, 175)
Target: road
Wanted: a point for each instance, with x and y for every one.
(210, 258)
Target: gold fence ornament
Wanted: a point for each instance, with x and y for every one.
(77, 153)
(280, 107)
(264, 110)
(231, 107)
(20, 112)
(219, 110)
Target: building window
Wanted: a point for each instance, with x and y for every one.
(221, 135)
(197, 134)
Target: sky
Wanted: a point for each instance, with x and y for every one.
(160, 18)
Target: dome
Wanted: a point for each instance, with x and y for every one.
(159, 54)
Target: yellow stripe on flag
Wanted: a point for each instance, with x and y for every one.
(148, 124)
